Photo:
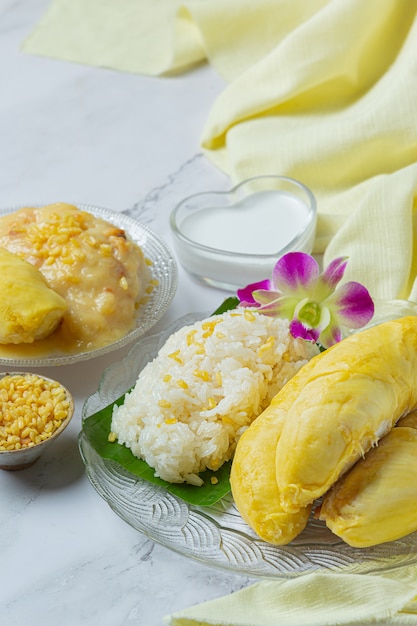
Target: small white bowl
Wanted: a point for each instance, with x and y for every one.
(229, 239)
(27, 456)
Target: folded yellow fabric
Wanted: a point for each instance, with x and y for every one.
(319, 90)
(157, 37)
(312, 600)
(142, 36)
(332, 105)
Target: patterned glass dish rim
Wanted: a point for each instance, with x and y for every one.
(217, 535)
(163, 269)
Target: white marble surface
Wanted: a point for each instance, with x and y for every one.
(129, 143)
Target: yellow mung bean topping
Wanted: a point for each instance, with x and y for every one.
(249, 316)
(268, 345)
(209, 327)
(203, 374)
(31, 410)
(176, 357)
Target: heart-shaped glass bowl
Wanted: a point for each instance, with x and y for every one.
(229, 239)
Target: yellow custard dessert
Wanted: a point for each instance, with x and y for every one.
(100, 273)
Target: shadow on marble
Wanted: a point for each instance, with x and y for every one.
(59, 468)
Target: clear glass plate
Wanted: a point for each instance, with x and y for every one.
(163, 269)
(217, 535)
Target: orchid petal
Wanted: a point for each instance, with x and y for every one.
(295, 272)
(352, 305)
(262, 296)
(281, 307)
(245, 294)
(330, 335)
(325, 318)
(334, 272)
(328, 280)
(298, 330)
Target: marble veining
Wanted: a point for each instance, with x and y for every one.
(196, 175)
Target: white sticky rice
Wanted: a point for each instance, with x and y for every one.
(207, 384)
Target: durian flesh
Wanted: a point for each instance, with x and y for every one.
(29, 309)
(376, 501)
(340, 429)
(252, 477)
(352, 395)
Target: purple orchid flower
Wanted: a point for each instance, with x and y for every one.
(316, 307)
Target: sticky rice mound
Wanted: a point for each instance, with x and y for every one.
(207, 384)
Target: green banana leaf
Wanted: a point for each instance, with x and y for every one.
(97, 427)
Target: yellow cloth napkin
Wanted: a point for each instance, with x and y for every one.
(312, 600)
(140, 36)
(319, 90)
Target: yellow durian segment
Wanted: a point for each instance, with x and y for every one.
(375, 501)
(351, 396)
(252, 477)
(29, 309)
